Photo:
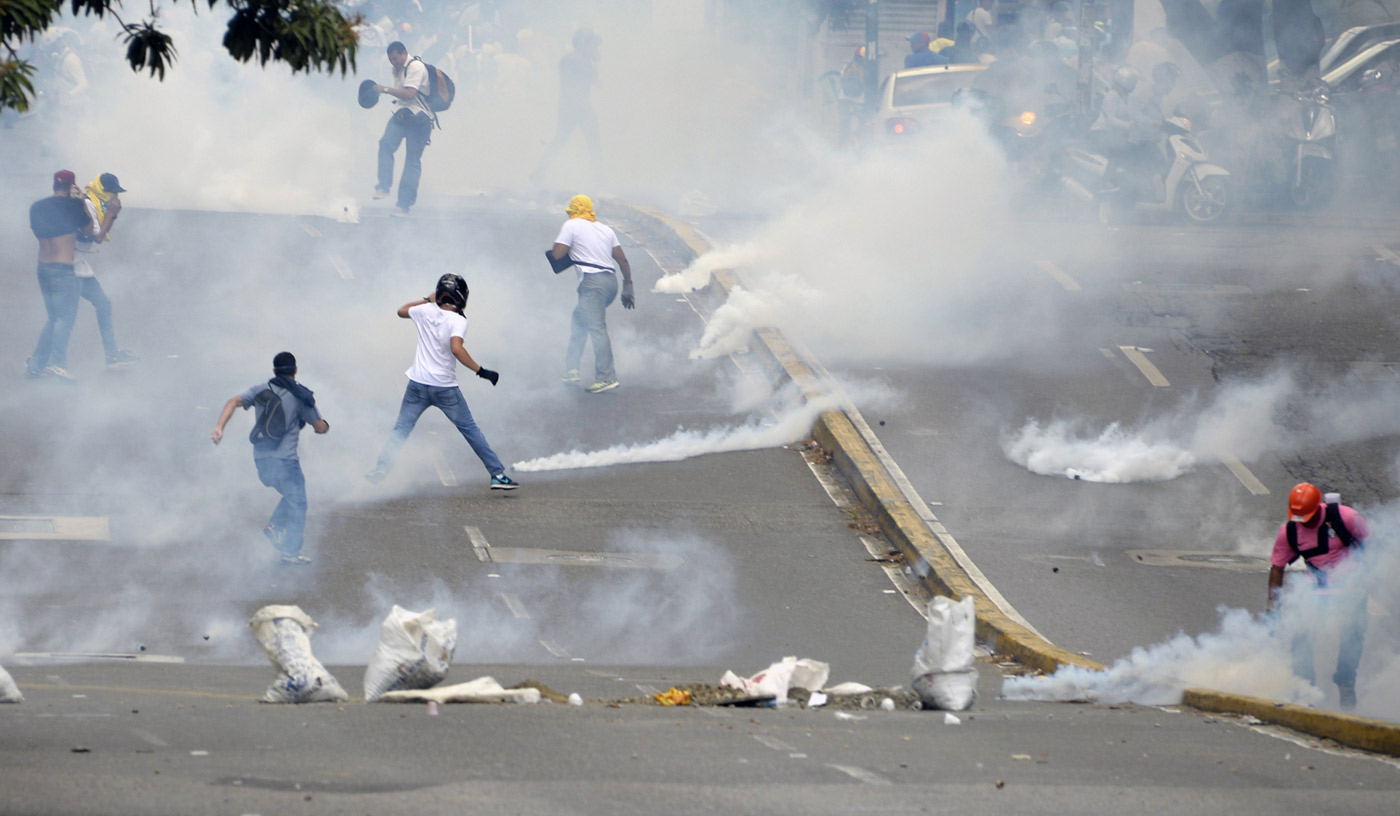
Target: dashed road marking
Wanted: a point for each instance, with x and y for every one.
(480, 545)
(572, 558)
(444, 471)
(774, 743)
(1060, 276)
(1387, 254)
(1247, 478)
(513, 603)
(141, 657)
(861, 774)
(553, 648)
(312, 231)
(150, 738)
(341, 267)
(1150, 371)
(55, 528)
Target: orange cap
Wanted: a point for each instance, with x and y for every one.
(1303, 502)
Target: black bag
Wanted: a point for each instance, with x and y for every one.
(560, 264)
(269, 420)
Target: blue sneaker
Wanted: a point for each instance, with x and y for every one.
(503, 482)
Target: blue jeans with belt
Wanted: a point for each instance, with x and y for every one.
(416, 128)
(417, 398)
(288, 521)
(60, 288)
(595, 292)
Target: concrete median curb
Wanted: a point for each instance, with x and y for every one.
(935, 564)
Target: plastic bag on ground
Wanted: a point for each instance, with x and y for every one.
(943, 674)
(9, 692)
(415, 652)
(480, 690)
(285, 635)
(774, 681)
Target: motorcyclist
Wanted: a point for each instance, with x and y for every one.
(1152, 114)
(1121, 132)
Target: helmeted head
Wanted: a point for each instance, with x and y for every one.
(1304, 501)
(398, 54)
(452, 292)
(284, 364)
(1125, 79)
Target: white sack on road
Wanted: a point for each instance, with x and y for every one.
(9, 692)
(480, 690)
(285, 635)
(943, 674)
(774, 681)
(415, 652)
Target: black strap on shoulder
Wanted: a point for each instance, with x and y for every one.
(1332, 518)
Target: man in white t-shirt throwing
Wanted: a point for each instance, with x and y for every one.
(412, 121)
(593, 248)
(433, 378)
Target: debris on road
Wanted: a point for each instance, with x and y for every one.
(285, 635)
(9, 692)
(480, 690)
(943, 673)
(673, 697)
(774, 681)
(415, 652)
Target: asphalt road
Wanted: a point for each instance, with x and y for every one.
(754, 561)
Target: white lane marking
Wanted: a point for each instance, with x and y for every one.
(312, 231)
(55, 528)
(150, 738)
(444, 472)
(569, 558)
(553, 648)
(1063, 278)
(1107, 353)
(912, 591)
(774, 743)
(829, 484)
(1247, 478)
(1150, 371)
(515, 606)
(1387, 254)
(341, 267)
(861, 774)
(648, 689)
(480, 545)
(139, 658)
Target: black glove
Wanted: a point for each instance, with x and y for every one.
(629, 299)
(487, 374)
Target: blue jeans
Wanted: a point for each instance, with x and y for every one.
(416, 128)
(595, 292)
(92, 292)
(60, 288)
(288, 521)
(416, 399)
(1350, 608)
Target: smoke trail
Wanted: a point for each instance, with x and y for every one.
(756, 434)
(1114, 456)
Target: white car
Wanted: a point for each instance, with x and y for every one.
(913, 100)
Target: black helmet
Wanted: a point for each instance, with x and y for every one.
(369, 97)
(452, 291)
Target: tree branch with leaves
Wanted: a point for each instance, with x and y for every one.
(306, 35)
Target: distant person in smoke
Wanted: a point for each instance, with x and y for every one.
(1327, 535)
(412, 121)
(100, 195)
(279, 417)
(57, 221)
(578, 73)
(432, 380)
(919, 55)
(593, 248)
(984, 24)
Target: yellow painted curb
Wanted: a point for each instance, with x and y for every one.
(935, 565)
(1347, 729)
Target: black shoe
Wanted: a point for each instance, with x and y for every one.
(503, 482)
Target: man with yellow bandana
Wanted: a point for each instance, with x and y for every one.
(593, 248)
(99, 198)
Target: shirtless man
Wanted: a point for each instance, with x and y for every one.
(56, 222)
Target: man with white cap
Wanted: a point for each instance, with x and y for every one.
(1327, 535)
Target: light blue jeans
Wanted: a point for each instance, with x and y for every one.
(61, 289)
(1350, 610)
(596, 292)
(289, 519)
(416, 399)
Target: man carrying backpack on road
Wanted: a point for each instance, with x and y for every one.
(1327, 535)
(283, 407)
(412, 120)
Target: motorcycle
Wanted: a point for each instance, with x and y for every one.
(1191, 185)
(1310, 137)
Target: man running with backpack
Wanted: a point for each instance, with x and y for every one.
(412, 120)
(283, 407)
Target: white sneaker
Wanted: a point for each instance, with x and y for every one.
(378, 193)
(59, 374)
(399, 212)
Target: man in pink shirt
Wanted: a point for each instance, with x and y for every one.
(1327, 536)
